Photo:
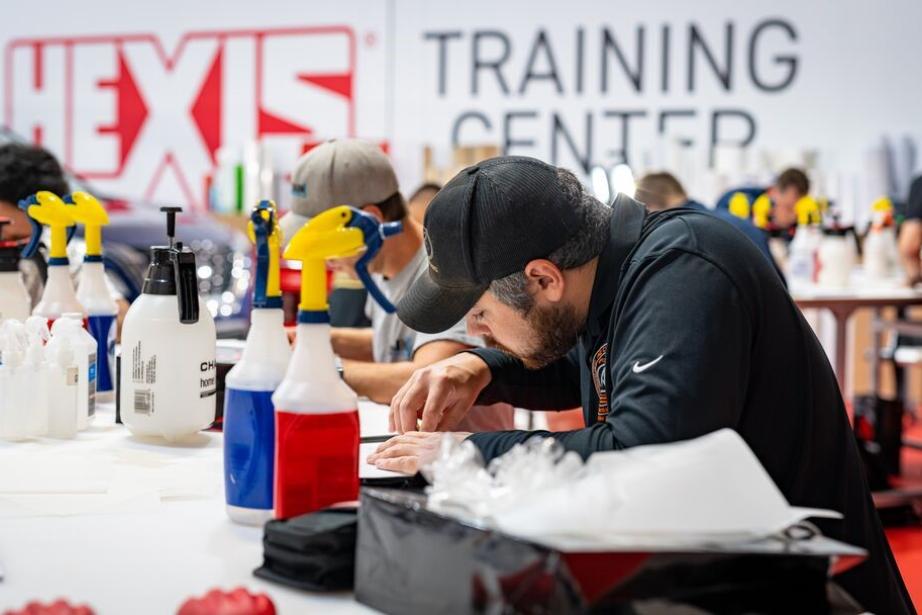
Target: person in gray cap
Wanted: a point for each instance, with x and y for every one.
(665, 326)
(378, 360)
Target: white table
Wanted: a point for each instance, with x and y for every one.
(842, 303)
(155, 549)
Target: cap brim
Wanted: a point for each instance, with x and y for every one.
(430, 308)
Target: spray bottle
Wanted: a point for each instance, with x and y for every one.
(14, 298)
(59, 296)
(249, 416)
(93, 291)
(881, 257)
(168, 377)
(317, 422)
(802, 262)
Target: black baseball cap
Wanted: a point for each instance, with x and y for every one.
(488, 222)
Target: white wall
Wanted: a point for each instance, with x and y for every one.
(847, 73)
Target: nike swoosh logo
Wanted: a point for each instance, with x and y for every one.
(639, 369)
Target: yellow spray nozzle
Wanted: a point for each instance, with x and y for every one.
(264, 231)
(883, 204)
(761, 210)
(325, 236)
(47, 208)
(88, 211)
(739, 205)
(808, 210)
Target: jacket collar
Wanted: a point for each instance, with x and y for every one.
(624, 231)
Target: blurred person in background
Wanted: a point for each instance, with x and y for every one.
(24, 170)
(662, 191)
(379, 359)
(911, 234)
(420, 200)
(789, 187)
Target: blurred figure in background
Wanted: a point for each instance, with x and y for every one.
(24, 170)
(377, 360)
(911, 234)
(420, 199)
(788, 188)
(661, 191)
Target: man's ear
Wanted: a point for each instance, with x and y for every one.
(375, 211)
(546, 278)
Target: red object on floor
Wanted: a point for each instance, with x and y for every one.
(906, 542)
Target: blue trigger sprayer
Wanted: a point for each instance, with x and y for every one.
(373, 234)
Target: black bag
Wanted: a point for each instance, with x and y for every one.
(315, 551)
(878, 428)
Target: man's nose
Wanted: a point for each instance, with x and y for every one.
(474, 328)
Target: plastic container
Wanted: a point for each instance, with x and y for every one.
(249, 416)
(63, 383)
(836, 259)
(93, 291)
(70, 325)
(317, 429)
(317, 421)
(168, 376)
(59, 295)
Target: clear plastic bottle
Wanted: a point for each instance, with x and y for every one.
(70, 325)
(62, 383)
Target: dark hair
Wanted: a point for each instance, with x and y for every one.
(656, 190)
(26, 169)
(393, 208)
(426, 187)
(582, 246)
(796, 178)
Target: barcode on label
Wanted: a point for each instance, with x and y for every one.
(142, 399)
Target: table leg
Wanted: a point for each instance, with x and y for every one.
(841, 316)
(876, 343)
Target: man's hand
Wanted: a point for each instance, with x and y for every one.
(441, 393)
(410, 452)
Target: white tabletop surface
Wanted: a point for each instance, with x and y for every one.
(131, 526)
(860, 287)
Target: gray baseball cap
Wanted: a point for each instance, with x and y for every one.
(341, 172)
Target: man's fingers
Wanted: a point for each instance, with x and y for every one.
(411, 436)
(405, 465)
(403, 449)
(453, 415)
(410, 405)
(434, 407)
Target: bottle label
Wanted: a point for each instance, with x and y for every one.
(208, 379)
(317, 461)
(91, 385)
(144, 376)
(249, 448)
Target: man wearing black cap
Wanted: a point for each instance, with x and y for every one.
(664, 326)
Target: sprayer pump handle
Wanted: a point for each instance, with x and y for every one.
(171, 220)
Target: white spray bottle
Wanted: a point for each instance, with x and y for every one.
(168, 377)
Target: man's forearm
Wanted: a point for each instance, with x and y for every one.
(584, 442)
(554, 387)
(377, 381)
(352, 343)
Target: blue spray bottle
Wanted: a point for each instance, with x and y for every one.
(249, 416)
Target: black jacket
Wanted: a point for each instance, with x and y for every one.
(689, 330)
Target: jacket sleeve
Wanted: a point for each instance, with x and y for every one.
(678, 361)
(554, 387)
